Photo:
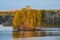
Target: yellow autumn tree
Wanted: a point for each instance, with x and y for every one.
(34, 17)
(16, 20)
(29, 18)
(39, 18)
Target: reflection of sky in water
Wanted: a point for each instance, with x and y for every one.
(5, 35)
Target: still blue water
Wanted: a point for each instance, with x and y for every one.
(5, 35)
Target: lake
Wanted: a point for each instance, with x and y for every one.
(9, 34)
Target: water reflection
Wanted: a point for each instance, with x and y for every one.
(25, 34)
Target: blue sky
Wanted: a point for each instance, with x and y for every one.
(37, 4)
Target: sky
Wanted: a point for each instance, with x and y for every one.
(36, 4)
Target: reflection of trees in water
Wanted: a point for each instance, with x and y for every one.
(16, 34)
(25, 34)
